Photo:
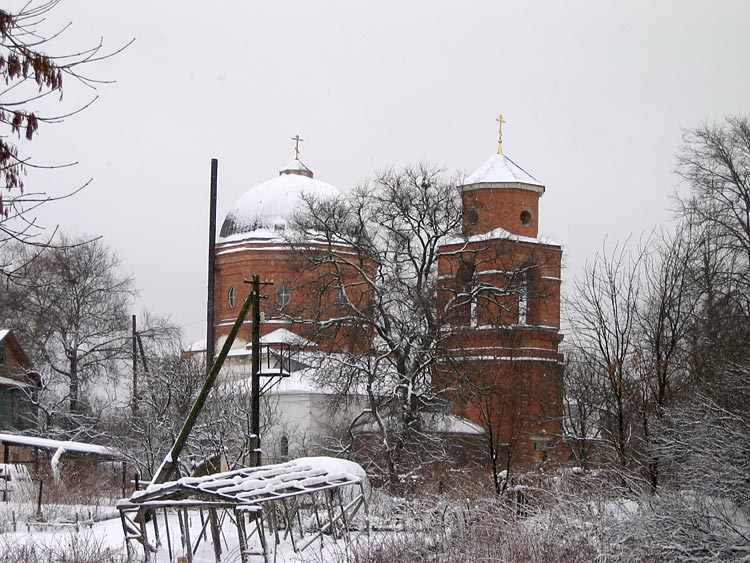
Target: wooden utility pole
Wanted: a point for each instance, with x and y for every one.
(255, 388)
(170, 461)
(255, 456)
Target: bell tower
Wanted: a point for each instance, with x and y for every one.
(501, 194)
(500, 292)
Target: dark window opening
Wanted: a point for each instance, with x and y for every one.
(283, 295)
(467, 298)
(525, 217)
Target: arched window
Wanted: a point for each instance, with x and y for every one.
(232, 298)
(283, 295)
(467, 297)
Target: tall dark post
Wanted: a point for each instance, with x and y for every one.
(211, 266)
(255, 390)
(134, 404)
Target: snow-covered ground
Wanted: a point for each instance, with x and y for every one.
(108, 535)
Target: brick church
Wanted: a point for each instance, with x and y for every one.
(503, 372)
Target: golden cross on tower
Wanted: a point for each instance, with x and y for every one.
(296, 140)
(500, 120)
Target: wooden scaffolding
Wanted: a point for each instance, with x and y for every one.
(299, 501)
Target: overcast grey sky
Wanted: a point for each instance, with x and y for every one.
(595, 94)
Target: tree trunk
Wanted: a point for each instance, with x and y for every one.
(74, 391)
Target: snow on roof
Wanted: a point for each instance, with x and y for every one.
(284, 336)
(3, 333)
(451, 424)
(234, 352)
(260, 234)
(198, 346)
(500, 169)
(58, 445)
(261, 484)
(438, 422)
(300, 381)
(295, 166)
(269, 205)
(498, 234)
(9, 382)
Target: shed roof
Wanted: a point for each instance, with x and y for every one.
(256, 485)
(62, 446)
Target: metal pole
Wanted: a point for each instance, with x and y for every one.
(210, 344)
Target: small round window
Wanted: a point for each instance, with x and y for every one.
(232, 297)
(525, 217)
(283, 295)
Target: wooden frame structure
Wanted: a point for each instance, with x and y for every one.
(300, 501)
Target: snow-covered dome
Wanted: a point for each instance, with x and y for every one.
(268, 206)
(501, 170)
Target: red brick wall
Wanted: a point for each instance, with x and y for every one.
(498, 372)
(499, 263)
(488, 208)
(313, 292)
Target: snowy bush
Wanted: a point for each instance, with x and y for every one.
(78, 548)
(562, 518)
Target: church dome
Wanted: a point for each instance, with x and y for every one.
(266, 209)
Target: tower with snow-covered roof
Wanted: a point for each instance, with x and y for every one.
(501, 194)
(502, 283)
(254, 239)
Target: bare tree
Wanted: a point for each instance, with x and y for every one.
(685, 360)
(699, 436)
(702, 510)
(585, 407)
(715, 162)
(632, 316)
(381, 292)
(32, 76)
(70, 306)
(372, 261)
(603, 315)
(167, 394)
(666, 317)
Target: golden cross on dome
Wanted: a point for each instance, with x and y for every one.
(296, 140)
(500, 120)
